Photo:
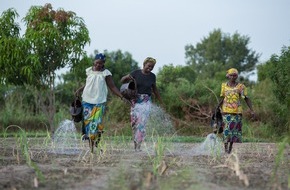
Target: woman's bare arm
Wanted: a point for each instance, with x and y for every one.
(126, 78)
(156, 93)
(77, 92)
(112, 86)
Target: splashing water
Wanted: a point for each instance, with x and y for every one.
(159, 122)
(212, 145)
(65, 139)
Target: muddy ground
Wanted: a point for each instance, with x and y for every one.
(160, 165)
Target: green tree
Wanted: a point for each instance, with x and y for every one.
(12, 50)
(277, 70)
(171, 74)
(219, 52)
(120, 64)
(53, 40)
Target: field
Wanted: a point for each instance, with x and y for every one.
(30, 163)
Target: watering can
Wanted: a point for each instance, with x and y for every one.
(129, 90)
(76, 110)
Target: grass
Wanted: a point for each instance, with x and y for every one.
(279, 159)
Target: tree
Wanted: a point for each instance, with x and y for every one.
(120, 64)
(55, 39)
(171, 74)
(278, 69)
(12, 49)
(275, 73)
(219, 52)
(52, 40)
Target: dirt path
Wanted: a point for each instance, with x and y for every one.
(250, 166)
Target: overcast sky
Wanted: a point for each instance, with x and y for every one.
(162, 28)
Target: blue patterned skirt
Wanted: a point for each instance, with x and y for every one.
(232, 128)
(93, 118)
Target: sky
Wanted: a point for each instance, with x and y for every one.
(162, 28)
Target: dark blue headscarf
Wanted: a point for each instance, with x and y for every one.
(100, 56)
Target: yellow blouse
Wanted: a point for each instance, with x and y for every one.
(232, 98)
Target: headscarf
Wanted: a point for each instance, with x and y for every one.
(100, 56)
(232, 71)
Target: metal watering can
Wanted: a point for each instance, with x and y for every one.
(76, 110)
(129, 90)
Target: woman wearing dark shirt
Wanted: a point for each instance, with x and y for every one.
(140, 109)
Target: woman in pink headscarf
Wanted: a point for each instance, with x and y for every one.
(231, 94)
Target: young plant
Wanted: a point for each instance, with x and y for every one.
(158, 164)
(278, 161)
(23, 141)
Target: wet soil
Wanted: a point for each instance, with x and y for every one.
(33, 165)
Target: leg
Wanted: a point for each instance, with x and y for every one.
(84, 135)
(134, 131)
(99, 135)
(135, 145)
(138, 139)
(226, 148)
(91, 143)
(231, 147)
(83, 129)
(138, 148)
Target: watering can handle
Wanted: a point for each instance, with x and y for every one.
(77, 97)
(135, 83)
(133, 79)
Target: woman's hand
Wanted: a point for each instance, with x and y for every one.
(126, 78)
(77, 93)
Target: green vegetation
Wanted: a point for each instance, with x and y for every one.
(34, 101)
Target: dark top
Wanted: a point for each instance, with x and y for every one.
(144, 82)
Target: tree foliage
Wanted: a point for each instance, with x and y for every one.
(275, 73)
(278, 69)
(12, 49)
(120, 64)
(171, 74)
(55, 39)
(219, 52)
(185, 96)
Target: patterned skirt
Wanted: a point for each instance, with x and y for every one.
(93, 117)
(140, 111)
(232, 128)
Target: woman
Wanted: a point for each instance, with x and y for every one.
(94, 98)
(140, 109)
(231, 94)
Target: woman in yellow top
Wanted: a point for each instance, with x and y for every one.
(231, 94)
